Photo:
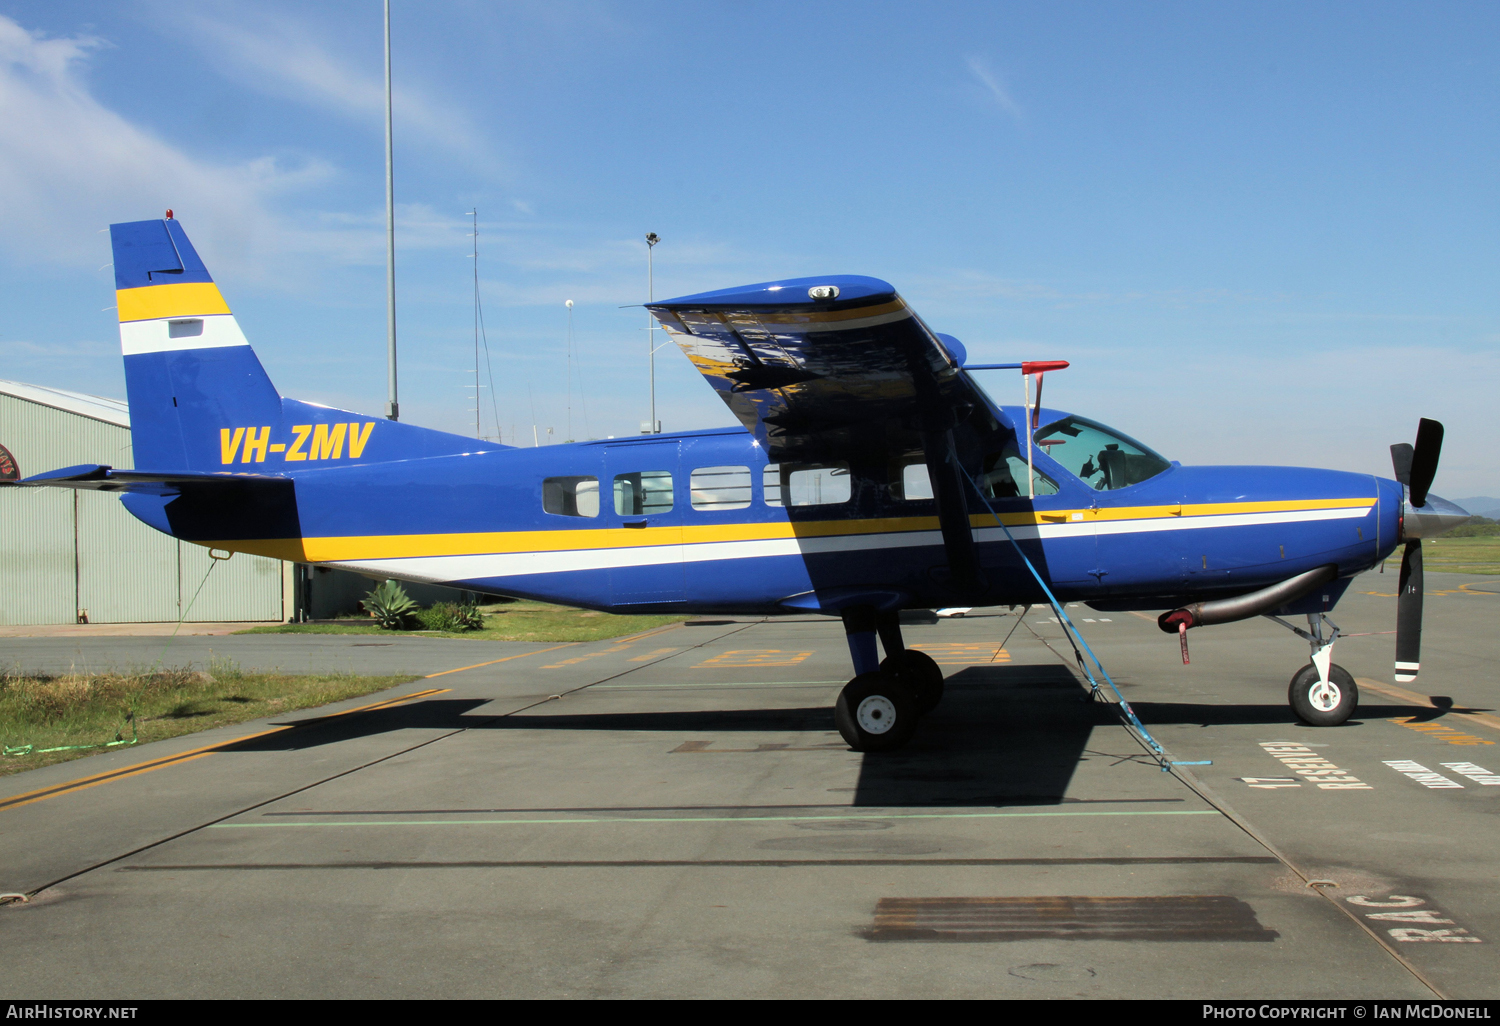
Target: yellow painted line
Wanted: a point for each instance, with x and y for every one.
(492, 662)
(1440, 732)
(1411, 697)
(189, 299)
(750, 657)
(399, 546)
(651, 655)
(124, 772)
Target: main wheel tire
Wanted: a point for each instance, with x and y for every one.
(1323, 705)
(920, 672)
(876, 712)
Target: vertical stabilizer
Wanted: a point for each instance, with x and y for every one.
(188, 370)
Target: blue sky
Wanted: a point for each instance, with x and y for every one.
(1263, 233)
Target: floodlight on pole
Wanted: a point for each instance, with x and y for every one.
(651, 240)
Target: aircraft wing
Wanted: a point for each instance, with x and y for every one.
(95, 477)
(818, 367)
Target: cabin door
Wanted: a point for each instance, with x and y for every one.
(645, 499)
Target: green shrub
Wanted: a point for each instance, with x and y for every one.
(391, 607)
(451, 616)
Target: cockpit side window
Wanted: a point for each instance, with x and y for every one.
(1004, 477)
(1102, 458)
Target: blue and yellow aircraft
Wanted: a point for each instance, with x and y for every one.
(872, 474)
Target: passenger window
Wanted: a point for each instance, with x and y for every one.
(816, 484)
(571, 496)
(910, 482)
(712, 488)
(770, 481)
(643, 493)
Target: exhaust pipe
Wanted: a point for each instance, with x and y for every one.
(1243, 607)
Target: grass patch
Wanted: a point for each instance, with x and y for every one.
(91, 708)
(509, 621)
(1452, 555)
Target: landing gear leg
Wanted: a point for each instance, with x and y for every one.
(1322, 693)
(877, 711)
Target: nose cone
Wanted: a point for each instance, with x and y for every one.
(1437, 517)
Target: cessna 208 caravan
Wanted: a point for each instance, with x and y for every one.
(872, 474)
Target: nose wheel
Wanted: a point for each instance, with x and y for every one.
(1323, 703)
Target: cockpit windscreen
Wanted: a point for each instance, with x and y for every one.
(1102, 458)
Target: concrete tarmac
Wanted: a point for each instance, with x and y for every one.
(674, 815)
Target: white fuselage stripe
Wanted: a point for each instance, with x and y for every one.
(477, 566)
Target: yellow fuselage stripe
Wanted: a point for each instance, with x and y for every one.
(189, 299)
(399, 546)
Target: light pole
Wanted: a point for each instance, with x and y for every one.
(651, 241)
(392, 408)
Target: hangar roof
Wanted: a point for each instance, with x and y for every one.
(111, 411)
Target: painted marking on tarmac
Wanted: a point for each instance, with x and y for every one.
(1422, 775)
(195, 753)
(743, 658)
(1312, 767)
(1426, 702)
(492, 662)
(651, 655)
(1271, 783)
(963, 653)
(1478, 774)
(587, 656)
(714, 819)
(1441, 732)
(1407, 908)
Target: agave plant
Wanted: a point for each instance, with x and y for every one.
(389, 604)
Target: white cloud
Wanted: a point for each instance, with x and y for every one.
(69, 166)
(280, 57)
(995, 85)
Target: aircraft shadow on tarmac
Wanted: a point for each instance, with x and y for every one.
(1009, 735)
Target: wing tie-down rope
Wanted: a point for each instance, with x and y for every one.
(1122, 707)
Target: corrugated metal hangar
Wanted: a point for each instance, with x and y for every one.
(79, 557)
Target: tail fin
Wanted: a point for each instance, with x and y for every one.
(199, 398)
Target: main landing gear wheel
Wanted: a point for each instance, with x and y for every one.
(1319, 704)
(876, 712)
(920, 672)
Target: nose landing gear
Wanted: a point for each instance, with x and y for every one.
(1322, 693)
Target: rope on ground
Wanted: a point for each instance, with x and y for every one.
(120, 739)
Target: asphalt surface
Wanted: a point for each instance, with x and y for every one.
(674, 815)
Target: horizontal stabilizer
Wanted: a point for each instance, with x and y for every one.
(99, 478)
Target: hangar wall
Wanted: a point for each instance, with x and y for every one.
(66, 555)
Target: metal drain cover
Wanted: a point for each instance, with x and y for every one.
(1173, 918)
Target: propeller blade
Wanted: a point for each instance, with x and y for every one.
(1409, 614)
(1401, 454)
(1424, 462)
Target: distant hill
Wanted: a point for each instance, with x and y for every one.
(1482, 506)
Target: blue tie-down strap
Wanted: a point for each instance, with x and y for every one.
(1126, 713)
